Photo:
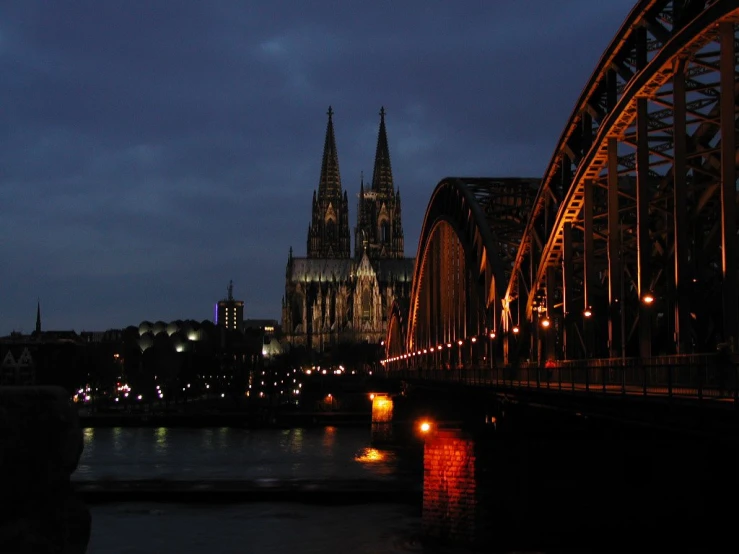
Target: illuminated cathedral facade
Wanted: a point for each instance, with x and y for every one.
(332, 296)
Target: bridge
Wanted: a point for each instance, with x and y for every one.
(616, 272)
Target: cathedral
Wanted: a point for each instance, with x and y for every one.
(332, 296)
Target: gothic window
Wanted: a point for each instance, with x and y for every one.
(366, 305)
(384, 232)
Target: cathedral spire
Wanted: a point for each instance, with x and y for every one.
(382, 177)
(330, 183)
(38, 316)
(328, 233)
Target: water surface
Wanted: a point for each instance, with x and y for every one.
(236, 454)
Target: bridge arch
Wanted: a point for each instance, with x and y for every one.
(396, 331)
(631, 246)
(627, 247)
(468, 238)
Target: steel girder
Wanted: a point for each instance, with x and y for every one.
(468, 243)
(639, 199)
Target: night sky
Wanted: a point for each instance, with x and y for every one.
(150, 151)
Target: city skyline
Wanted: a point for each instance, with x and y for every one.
(151, 154)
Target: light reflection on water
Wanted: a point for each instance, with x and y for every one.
(370, 455)
(230, 453)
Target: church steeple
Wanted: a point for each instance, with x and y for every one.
(382, 176)
(330, 181)
(328, 233)
(378, 223)
(38, 317)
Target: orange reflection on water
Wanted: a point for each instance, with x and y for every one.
(329, 436)
(370, 455)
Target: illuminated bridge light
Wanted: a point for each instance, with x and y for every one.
(460, 342)
(474, 339)
(425, 426)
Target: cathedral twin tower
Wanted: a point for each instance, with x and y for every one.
(330, 296)
(379, 229)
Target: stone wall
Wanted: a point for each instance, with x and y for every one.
(40, 447)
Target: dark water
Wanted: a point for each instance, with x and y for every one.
(261, 527)
(227, 453)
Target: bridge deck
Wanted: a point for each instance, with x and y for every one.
(653, 383)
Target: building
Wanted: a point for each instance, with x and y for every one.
(230, 312)
(270, 331)
(332, 297)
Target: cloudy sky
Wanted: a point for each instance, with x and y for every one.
(150, 151)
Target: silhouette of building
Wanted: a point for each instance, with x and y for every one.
(330, 296)
(230, 312)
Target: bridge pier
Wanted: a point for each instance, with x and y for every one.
(527, 477)
(382, 419)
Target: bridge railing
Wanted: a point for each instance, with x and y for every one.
(698, 377)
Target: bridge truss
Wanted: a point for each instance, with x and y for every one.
(627, 247)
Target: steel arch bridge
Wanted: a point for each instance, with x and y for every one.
(627, 247)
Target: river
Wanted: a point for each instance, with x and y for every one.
(268, 455)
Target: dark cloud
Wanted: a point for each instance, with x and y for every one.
(151, 151)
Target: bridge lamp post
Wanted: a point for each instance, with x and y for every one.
(539, 309)
(492, 337)
(587, 314)
(460, 342)
(473, 341)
